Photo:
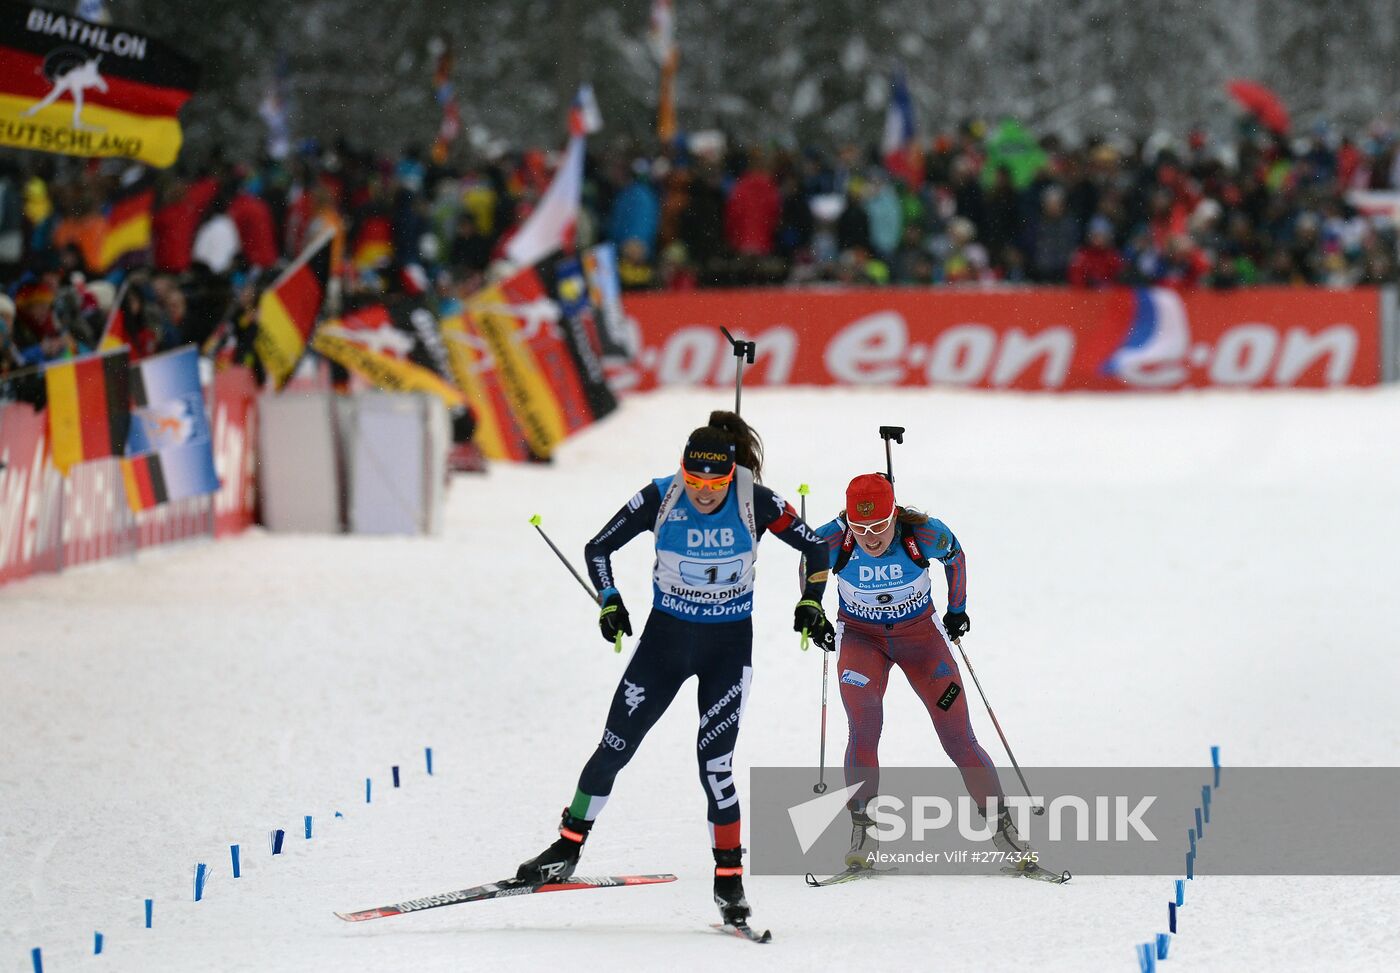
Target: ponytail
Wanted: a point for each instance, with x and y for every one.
(913, 516)
(748, 445)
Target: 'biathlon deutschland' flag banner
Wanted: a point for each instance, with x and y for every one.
(366, 342)
(543, 367)
(498, 435)
(77, 87)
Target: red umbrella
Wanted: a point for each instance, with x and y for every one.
(1261, 101)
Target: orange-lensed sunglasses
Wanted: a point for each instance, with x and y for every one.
(717, 483)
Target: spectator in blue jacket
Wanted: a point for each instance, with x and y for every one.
(636, 212)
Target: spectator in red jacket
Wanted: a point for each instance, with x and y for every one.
(175, 221)
(752, 211)
(253, 218)
(1097, 263)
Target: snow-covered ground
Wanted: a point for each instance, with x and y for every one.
(1148, 576)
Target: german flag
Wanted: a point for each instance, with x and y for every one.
(127, 241)
(144, 478)
(88, 409)
(288, 309)
(374, 243)
(76, 87)
(114, 336)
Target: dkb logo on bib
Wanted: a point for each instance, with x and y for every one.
(710, 537)
(887, 572)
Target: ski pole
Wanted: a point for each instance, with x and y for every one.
(897, 434)
(743, 351)
(820, 786)
(1035, 808)
(535, 523)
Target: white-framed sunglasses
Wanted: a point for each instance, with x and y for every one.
(878, 527)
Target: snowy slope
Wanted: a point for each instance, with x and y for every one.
(1147, 576)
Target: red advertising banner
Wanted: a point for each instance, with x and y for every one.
(1031, 339)
(30, 516)
(235, 450)
(97, 523)
(48, 522)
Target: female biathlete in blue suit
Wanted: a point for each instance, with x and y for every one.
(708, 518)
(881, 555)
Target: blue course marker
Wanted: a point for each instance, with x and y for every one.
(38, 957)
(1147, 958)
(97, 944)
(1205, 800)
(396, 776)
(308, 827)
(1215, 763)
(1191, 833)
(1180, 892)
(233, 853)
(201, 871)
(277, 837)
(1163, 944)
(1200, 825)
(428, 753)
(149, 904)
(1191, 866)
(1171, 916)
(367, 790)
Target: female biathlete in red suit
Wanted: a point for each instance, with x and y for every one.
(880, 554)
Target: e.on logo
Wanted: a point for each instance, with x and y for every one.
(1248, 354)
(875, 350)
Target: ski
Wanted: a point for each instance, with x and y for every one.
(744, 931)
(849, 875)
(1035, 872)
(497, 890)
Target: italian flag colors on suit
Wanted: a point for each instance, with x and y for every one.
(87, 406)
(288, 309)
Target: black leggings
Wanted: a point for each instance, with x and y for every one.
(669, 652)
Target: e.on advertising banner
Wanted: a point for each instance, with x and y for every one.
(1033, 339)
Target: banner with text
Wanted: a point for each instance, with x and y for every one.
(1032, 339)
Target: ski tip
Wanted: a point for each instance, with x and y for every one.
(743, 931)
(362, 916)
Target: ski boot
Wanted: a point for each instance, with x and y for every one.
(558, 861)
(863, 842)
(1008, 839)
(729, 886)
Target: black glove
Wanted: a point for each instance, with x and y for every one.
(810, 618)
(957, 624)
(613, 618)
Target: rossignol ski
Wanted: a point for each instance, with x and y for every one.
(497, 890)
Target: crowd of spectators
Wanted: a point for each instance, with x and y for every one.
(954, 210)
